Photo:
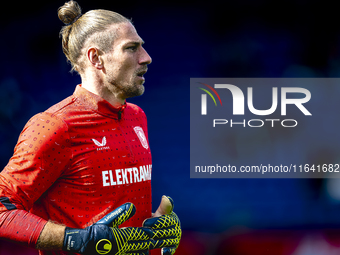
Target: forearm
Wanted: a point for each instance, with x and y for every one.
(52, 237)
(28, 229)
(21, 227)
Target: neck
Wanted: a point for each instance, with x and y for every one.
(96, 86)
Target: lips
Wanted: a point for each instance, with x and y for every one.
(141, 72)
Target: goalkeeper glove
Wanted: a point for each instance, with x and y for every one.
(167, 230)
(104, 236)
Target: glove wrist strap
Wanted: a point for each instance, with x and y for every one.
(73, 239)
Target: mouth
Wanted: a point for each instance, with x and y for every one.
(141, 73)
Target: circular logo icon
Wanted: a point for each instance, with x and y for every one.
(103, 246)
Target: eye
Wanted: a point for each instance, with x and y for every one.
(132, 48)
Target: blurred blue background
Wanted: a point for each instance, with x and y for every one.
(186, 39)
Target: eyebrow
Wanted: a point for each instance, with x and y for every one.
(141, 42)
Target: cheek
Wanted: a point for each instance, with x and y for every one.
(127, 69)
(122, 66)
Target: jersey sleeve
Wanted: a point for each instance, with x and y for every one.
(40, 157)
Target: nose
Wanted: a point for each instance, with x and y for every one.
(144, 58)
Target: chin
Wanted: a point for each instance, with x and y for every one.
(138, 91)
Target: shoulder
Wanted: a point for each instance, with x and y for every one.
(134, 108)
(44, 133)
(59, 107)
(46, 119)
(45, 126)
(136, 113)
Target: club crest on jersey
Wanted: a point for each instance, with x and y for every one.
(101, 145)
(140, 133)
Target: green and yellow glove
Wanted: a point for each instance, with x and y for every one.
(166, 227)
(104, 236)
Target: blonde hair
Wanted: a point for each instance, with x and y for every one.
(91, 26)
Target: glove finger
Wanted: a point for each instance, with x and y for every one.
(118, 216)
(134, 233)
(151, 222)
(171, 201)
(138, 253)
(165, 207)
(165, 233)
(168, 251)
(138, 246)
(163, 221)
(169, 242)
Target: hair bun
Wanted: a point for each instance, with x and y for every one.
(69, 12)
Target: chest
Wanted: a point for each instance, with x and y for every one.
(108, 152)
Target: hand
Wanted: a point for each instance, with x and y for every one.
(104, 236)
(166, 227)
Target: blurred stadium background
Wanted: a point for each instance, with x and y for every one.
(245, 38)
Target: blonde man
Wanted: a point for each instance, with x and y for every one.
(83, 167)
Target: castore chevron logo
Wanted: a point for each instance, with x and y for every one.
(103, 143)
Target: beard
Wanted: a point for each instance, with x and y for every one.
(127, 88)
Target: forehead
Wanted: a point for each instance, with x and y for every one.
(126, 33)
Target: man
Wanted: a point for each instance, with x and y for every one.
(78, 166)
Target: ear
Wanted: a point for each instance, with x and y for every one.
(94, 57)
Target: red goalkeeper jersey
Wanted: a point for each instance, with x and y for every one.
(76, 162)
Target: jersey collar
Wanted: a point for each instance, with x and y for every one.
(98, 104)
